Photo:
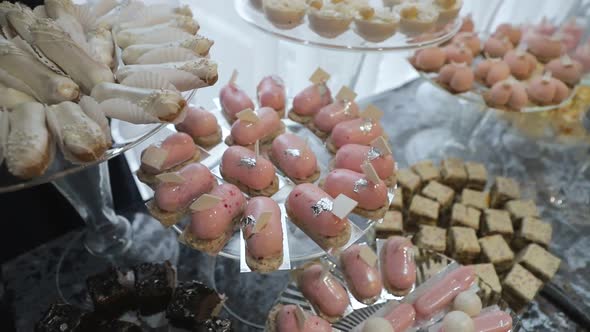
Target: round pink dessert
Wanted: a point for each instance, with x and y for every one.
(566, 70)
(522, 64)
(234, 100)
(174, 197)
(493, 321)
(545, 27)
(401, 317)
(491, 71)
(545, 48)
(241, 164)
(397, 264)
(356, 131)
(507, 94)
(178, 147)
(352, 156)
(286, 321)
(198, 123)
(246, 133)
(572, 33)
(458, 53)
(582, 55)
(293, 156)
(467, 24)
(323, 291)
(363, 280)
(268, 241)
(496, 47)
(309, 101)
(334, 113)
(470, 40)
(430, 59)
(370, 196)
(547, 90)
(216, 221)
(513, 33)
(456, 77)
(271, 93)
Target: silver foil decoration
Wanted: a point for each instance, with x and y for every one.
(248, 220)
(324, 204)
(347, 106)
(360, 184)
(248, 162)
(366, 127)
(374, 153)
(293, 152)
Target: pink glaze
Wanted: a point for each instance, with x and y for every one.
(513, 33)
(342, 181)
(246, 133)
(491, 71)
(402, 317)
(212, 223)
(257, 177)
(510, 94)
(352, 156)
(397, 263)
(300, 202)
(271, 93)
(493, 321)
(458, 53)
(294, 157)
(467, 24)
(547, 91)
(365, 280)
(309, 101)
(356, 131)
(179, 147)
(582, 54)
(442, 293)
(469, 39)
(268, 242)
(173, 197)
(496, 47)
(326, 294)
(234, 100)
(545, 48)
(458, 77)
(522, 64)
(286, 321)
(334, 113)
(569, 73)
(429, 59)
(198, 122)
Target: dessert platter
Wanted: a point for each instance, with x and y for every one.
(369, 25)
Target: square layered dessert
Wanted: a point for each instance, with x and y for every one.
(503, 190)
(439, 192)
(453, 173)
(409, 182)
(476, 199)
(154, 285)
(520, 287)
(462, 244)
(432, 238)
(490, 287)
(112, 292)
(465, 216)
(391, 224)
(497, 222)
(532, 230)
(192, 304)
(520, 209)
(397, 203)
(477, 175)
(423, 211)
(427, 171)
(539, 261)
(495, 250)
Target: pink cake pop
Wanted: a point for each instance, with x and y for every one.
(456, 77)
(430, 59)
(522, 64)
(513, 33)
(458, 53)
(545, 48)
(497, 46)
(566, 70)
(467, 24)
(507, 94)
(582, 55)
(491, 71)
(546, 90)
(469, 39)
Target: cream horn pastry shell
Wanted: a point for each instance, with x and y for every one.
(151, 35)
(185, 23)
(5, 8)
(102, 7)
(10, 97)
(20, 20)
(152, 15)
(100, 41)
(199, 45)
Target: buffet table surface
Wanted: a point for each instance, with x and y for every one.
(422, 123)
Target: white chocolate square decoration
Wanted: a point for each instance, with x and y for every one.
(368, 255)
(346, 94)
(372, 112)
(205, 202)
(154, 157)
(319, 76)
(172, 177)
(261, 222)
(370, 172)
(380, 143)
(248, 115)
(343, 205)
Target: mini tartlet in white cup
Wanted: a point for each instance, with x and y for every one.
(448, 10)
(329, 20)
(284, 14)
(416, 17)
(376, 26)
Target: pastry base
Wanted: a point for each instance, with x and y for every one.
(372, 214)
(390, 181)
(310, 179)
(299, 118)
(330, 145)
(211, 247)
(226, 116)
(323, 241)
(209, 141)
(167, 219)
(265, 265)
(281, 113)
(271, 320)
(317, 131)
(152, 181)
(229, 140)
(268, 191)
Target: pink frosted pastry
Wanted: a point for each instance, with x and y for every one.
(177, 196)
(283, 318)
(513, 33)
(582, 55)
(371, 197)
(309, 101)
(572, 33)
(264, 130)
(309, 207)
(271, 93)
(458, 53)
(493, 321)
(323, 291)
(565, 69)
(253, 174)
(177, 149)
(264, 241)
(546, 90)
(234, 100)
(332, 114)
(522, 64)
(201, 125)
(491, 71)
(469, 39)
(545, 48)
(442, 293)
(211, 227)
(508, 94)
(455, 77)
(397, 265)
(357, 131)
(496, 47)
(361, 272)
(401, 317)
(467, 24)
(292, 155)
(430, 59)
(352, 156)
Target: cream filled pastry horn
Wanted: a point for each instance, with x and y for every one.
(293, 156)
(398, 267)
(262, 231)
(262, 126)
(21, 71)
(154, 14)
(100, 42)
(233, 100)
(163, 34)
(169, 155)
(127, 34)
(291, 318)
(252, 173)
(214, 217)
(271, 93)
(29, 147)
(201, 125)
(379, 154)
(359, 266)
(342, 109)
(10, 97)
(362, 130)
(177, 190)
(309, 101)
(197, 45)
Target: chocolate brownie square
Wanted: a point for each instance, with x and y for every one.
(427, 171)
(193, 303)
(442, 194)
(409, 182)
(423, 211)
(462, 244)
(477, 175)
(112, 292)
(504, 190)
(397, 203)
(476, 199)
(154, 285)
(118, 326)
(497, 222)
(532, 230)
(520, 209)
(520, 287)
(453, 173)
(391, 224)
(432, 238)
(65, 318)
(539, 261)
(214, 325)
(495, 250)
(466, 216)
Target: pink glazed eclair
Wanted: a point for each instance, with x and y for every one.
(398, 267)
(493, 321)
(292, 156)
(352, 156)
(210, 229)
(330, 115)
(168, 155)
(271, 93)
(283, 318)
(233, 100)
(357, 131)
(254, 175)
(401, 317)
(309, 101)
(323, 291)
(309, 208)
(201, 125)
(264, 247)
(246, 133)
(172, 199)
(371, 197)
(362, 278)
